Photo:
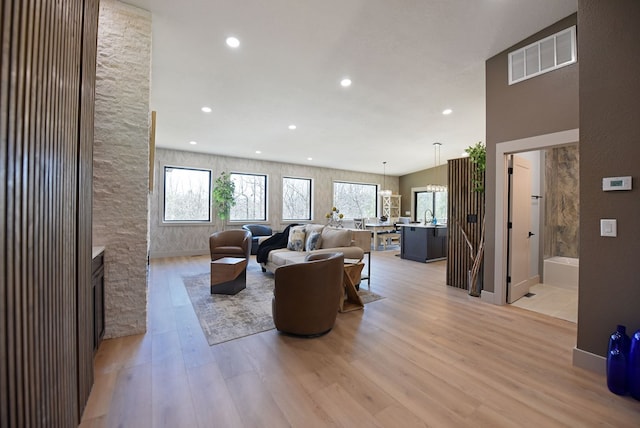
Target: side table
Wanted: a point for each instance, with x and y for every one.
(351, 300)
(228, 275)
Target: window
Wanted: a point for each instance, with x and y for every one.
(187, 194)
(436, 202)
(296, 198)
(355, 200)
(250, 196)
(545, 55)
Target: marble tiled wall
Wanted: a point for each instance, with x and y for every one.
(562, 202)
(182, 240)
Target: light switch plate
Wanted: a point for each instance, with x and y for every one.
(608, 227)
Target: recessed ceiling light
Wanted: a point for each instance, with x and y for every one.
(193, 143)
(206, 109)
(346, 82)
(292, 127)
(233, 42)
(309, 159)
(258, 152)
(447, 111)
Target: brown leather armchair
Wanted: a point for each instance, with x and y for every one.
(307, 295)
(230, 243)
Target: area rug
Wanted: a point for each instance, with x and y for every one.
(225, 318)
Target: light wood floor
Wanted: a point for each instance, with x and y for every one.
(426, 355)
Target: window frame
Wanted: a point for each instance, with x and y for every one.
(376, 197)
(414, 202)
(266, 199)
(521, 57)
(310, 202)
(162, 213)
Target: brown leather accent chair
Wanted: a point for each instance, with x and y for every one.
(230, 243)
(307, 295)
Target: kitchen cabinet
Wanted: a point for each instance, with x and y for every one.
(391, 206)
(423, 243)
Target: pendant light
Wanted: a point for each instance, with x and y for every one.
(384, 192)
(436, 157)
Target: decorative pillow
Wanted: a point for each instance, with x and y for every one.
(333, 238)
(314, 241)
(296, 238)
(312, 227)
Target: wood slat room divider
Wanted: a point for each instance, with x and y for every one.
(466, 211)
(46, 132)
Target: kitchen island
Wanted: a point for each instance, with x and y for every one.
(423, 243)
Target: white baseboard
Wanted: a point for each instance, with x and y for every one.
(490, 296)
(186, 253)
(487, 296)
(588, 361)
(533, 281)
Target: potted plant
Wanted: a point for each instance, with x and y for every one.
(478, 157)
(223, 199)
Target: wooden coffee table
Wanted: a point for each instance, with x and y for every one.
(351, 300)
(228, 275)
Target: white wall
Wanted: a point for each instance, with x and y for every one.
(121, 159)
(179, 240)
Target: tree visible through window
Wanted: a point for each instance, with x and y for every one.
(355, 200)
(296, 198)
(435, 202)
(187, 194)
(250, 196)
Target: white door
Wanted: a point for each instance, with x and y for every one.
(518, 281)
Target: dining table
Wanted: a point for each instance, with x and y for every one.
(379, 227)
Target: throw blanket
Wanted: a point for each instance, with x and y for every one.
(277, 241)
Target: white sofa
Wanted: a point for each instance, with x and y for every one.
(353, 243)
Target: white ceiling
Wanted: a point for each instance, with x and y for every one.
(408, 60)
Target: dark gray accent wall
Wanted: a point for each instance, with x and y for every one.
(434, 175)
(541, 105)
(609, 47)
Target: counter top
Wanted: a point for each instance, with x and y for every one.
(424, 226)
(95, 251)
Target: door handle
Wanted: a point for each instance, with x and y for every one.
(530, 235)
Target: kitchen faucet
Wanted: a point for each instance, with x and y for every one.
(425, 215)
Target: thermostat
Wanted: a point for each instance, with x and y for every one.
(616, 183)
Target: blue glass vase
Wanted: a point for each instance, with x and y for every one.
(617, 357)
(633, 368)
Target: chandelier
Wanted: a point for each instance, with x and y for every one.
(384, 192)
(436, 160)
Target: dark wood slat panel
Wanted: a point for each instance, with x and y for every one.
(29, 221)
(463, 200)
(52, 257)
(5, 13)
(13, 196)
(45, 206)
(39, 189)
(46, 209)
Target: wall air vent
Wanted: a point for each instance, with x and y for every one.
(543, 56)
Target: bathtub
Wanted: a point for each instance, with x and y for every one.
(561, 272)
